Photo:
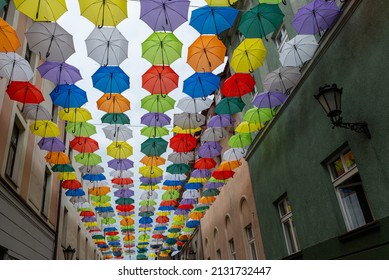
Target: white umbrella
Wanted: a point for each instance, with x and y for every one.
(91, 169)
(298, 50)
(77, 199)
(50, 41)
(116, 132)
(126, 186)
(35, 112)
(180, 157)
(107, 46)
(95, 183)
(146, 209)
(148, 195)
(213, 134)
(14, 67)
(191, 194)
(121, 173)
(234, 154)
(175, 177)
(188, 120)
(194, 105)
(107, 214)
(282, 79)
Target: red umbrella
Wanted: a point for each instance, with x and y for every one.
(205, 163)
(162, 219)
(125, 207)
(169, 203)
(87, 213)
(71, 184)
(112, 233)
(158, 236)
(238, 85)
(185, 206)
(122, 181)
(223, 175)
(84, 144)
(160, 79)
(183, 143)
(24, 92)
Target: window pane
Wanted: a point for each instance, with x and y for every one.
(349, 159)
(253, 251)
(290, 235)
(337, 168)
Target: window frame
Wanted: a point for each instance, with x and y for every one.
(231, 245)
(46, 193)
(251, 241)
(14, 146)
(282, 36)
(291, 241)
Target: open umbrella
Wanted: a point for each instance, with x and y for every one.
(223, 175)
(152, 161)
(157, 103)
(221, 121)
(59, 73)
(210, 149)
(87, 169)
(119, 149)
(68, 96)
(24, 92)
(180, 157)
(35, 112)
(282, 79)
(188, 120)
(104, 13)
(161, 48)
(269, 99)
(51, 144)
(154, 146)
(239, 140)
(121, 173)
(150, 171)
(229, 165)
(57, 158)
(115, 103)
(45, 128)
(213, 20)
(110, 79)
(213, 134)
(179, 130)
(205, 163)
(206, 53)
(117, 132)
(238, 85)
(272, 1)
(177, 168)
(246, 127)
(75, 115)
(194, 105)
(148, 195)
(154, 131)
(84, 145)
(298, 50)
(50, 41)
(164, 15)
(183, 142)
(229, 106)
(220, 3)
(115, 118)
(258, 115)
(62, 168)
(88, 159)
(155, 119)
(248, 56)
(159, 79)
(260, 21)
(123, 181)
(72, 185)
(43, 10)
(120, 164)
(9, 40)
(14, 67)
(83, 129)
(107, 46)
(201, 84)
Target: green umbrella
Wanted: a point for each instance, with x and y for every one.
(157, 103)
(260, 21)
(258, 115)
(154, 131)
(178, 168)
(113, 238)
(62, 168)
(98, 236)
(91, 159)
(101, 199)
(211, 192)
(83, 129)
(108, 221)
(146, 214)
(174, 230)
(240, 140)
(124, 200)
(141, 257)
(214, 180)
(170, 195)
(201, 207)
(161, 48)
(154, 146)
(3, 3)
(127, 228)
(272, 1)
(144, 237)
(229, 106)
(147, 202)
(120, 118)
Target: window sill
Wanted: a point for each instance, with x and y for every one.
(295, 256)
(358, 232)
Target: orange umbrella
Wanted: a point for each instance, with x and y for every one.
(162, 220)
(207, 199)
(205, 163)
(127, 221)
(206, 53)
(153, 161)
(57, 158)
(195, 215)
(229, 165)
(171, 188)
(99, 190)
(128, 238)
(115, 103)
(9, 40)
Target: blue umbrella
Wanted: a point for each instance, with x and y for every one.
(165, 208)
(170, 241)
(213, 20)
(107, 229)
(114, 243)
(172, 183)
(145, 220)
(76, 192)
(94, 177)
(104, 209)
(160, 228)
(68, 96)
(192, 223)
(102, 245)
(193, 186)
(110, 79)
(201, 84)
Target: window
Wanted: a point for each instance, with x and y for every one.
(86, 248)
(78, 243)
(218, 254)
(28, 53)
(251, 240)
(288, 226)
(46, 193)
(349, 190)
(232, 248)
(9, 170)
(281, 37)
(4, 10)
(64, 227)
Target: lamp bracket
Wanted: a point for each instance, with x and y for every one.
(357, 127)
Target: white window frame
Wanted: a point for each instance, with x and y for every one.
(285, 219)
(251, 241)
(231, 245)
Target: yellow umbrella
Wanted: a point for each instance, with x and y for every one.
(91, 224)
(119, 149)
(150, 171)
(153, 161)
(101, 204)
(197, 180)
(144, 229)
(246, 127)
(44, 128)
(179, 218)
(152, 255)
(42, 10)
(103, 190)
(229, 165)
(173, 235)
(180, 130)
(220, 3)
(149, 188)
(75, 115)
(163, 213)
(67, 176)
(103, 12)
(128, 238)
(248, 56)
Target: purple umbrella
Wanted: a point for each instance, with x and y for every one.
(88, 219)
(152, 181)
(51, 144)
(126, 213)
(155, 119)
(164, 15)
(120, 164)
(181, 211)
(315, 17)
(269, 99)
(188, 201)
(145, 225)
(221, 121)
(201, 173)
(214, 185)
(59, 73)
(210, 149)
(124, 193)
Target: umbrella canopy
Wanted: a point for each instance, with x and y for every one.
(188, 120)
(248, 56)
(201, 173)
(79, 129)
(119, 149)
(194, 105)
(269, 99)
(298, 50)
(148, 195)
(220, 3)
(246, 127)
(177, 168)
(229, 165)
(239, 140)
(9, 40)
(221, 121)
(120, 164)
(282, 79)
(50, 41)
(35, 112)
(315, 17)
(179, 130)
(155, 119)
(154, 146)
(260, 21)
(161, 48)
(104, 13)
(88, 158)
(115, 103)
(73, 185)
(115, 118)
(100, 191)
(68, 96)
(110, 79)
(213, 20)
(24, 92)
(154, 131)
(221, 175)
(14, 67)
(117, 132)
(206, 53)
(159, 79)
(205, 163)
(62, 168)
(157, 103)
(259, 116)
(229, 106)
(124, 193)
(45, 128)
(150, 171)
(164, 15)
(201, 84)
(51, 144)
(59, 73)
(75, 115)
(44, 10)
(210, 149)
(183, 142)
(121, 173)
(84, 145)
(238, 85)
(96, 169)
(213, 134)
(180, 157)
(57, 158)
(153, 161)
(107, 46)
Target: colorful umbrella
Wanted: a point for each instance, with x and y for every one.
(45, 128)
(110, 79)
(117, 132)
(35, 112)
(73, 185)
(229, 106)
(206, 53)
(161, 48)
(154, 131)
(188, 120)
(75, 115)
(42, 10)
(160, 79)
(51, 144)
(194, 105)
(282, 79)
(84, 145)
(150, 171)
(14, 67)
(24, 92)
(213, 20)
(155, 119)
(104, 13)
(238, 85)
(210, 149)
(77, 192)
(220, 3)
(157, 103)
(221, 175)
(152, 161)
(79, 129)
(239, 141)
(99, 190)
(124, 193)
(269, 99)
(115, 103)
(259, 116)
(62, 168)
(115, 118)
(59, 73)
(88, 158)
(229, 165)
(121, 173)
(119, 149)
(122, 181)
(183, 143)
(179, 130)
(298, 50)
(154, 146)
(177, 168)
(248, 56)
(68, 96)
(201, 84)
(57, 158)
(107, 46)
(164, 15)
(201, 173)
(95, 169)
(246, 127)
(9, 40)
(205, 163)
(120, 164)
(221, 121)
